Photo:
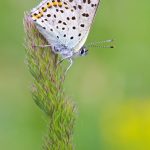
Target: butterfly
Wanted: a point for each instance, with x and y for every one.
(65, 24)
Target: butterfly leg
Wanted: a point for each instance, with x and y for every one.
(71, 62)
(68, 57)
(42, 46)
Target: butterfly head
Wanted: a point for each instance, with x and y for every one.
(83, 51)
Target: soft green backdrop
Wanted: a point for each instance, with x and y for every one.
(110, 86)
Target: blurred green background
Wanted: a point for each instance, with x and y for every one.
(110, 86)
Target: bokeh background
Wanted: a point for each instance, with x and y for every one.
(110, 86)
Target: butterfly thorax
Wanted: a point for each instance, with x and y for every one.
(63, 50)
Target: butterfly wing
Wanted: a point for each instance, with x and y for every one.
(85, 11)
(65, 22)
(45, 18)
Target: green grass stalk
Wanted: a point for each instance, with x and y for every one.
(48, 90)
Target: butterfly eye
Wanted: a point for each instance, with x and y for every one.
(82, 51)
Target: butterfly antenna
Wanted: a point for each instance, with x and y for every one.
(98, 44)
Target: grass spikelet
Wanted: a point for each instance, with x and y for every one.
(48, 91)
